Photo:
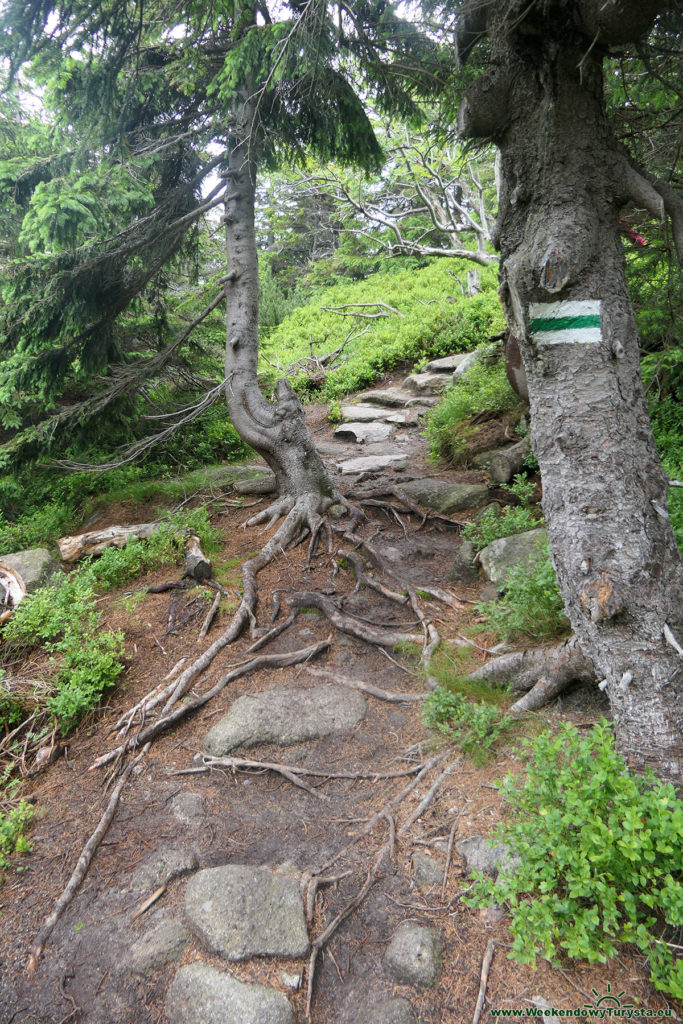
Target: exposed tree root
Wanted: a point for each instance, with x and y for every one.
(544, 672)
(81, 868)
(290, 772)
(173, 716)
(373, 691)
(485, 968)
(347, 623)
(386, 850)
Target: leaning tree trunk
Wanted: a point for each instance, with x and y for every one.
(276, 430)
(564, 288)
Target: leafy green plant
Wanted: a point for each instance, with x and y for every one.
(334, 412)
(472, 726)
(484, 388)
(531, 605)
(63, 616)
(601, 856)
(495, 522)
(12, 825)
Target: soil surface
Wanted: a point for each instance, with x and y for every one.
(224, 817)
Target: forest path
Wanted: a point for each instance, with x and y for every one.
(228, 855)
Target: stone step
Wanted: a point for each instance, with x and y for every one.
(445, 365)
(446, 497)
(363, 413)
(285, 715)
(240, 911)
(427, 383)
(365, 433)
(200, 994)
(373, 464)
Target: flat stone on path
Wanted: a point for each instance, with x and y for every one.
(445, 365)
(372, 413)
(480, 854)
(241, 911)
(392, 1011)
(426, 871)
(502, 555)
(34, 565)
(199, 994)
(163, 865)
(427, 382)
(413, 956)
(372, 463)
(387, 396)
(157, 948)
(446, 497)
(365, 433)
(286, 715)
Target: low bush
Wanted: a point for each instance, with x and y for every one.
(12, 826)
(601, 856)
(495, 522)
(63, 617)
(531, 605)
(428, 321)
(473, 726)
(482, 389)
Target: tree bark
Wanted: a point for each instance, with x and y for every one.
(564, 289)
(276, 430)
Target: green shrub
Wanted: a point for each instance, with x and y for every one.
(12, 825)
(495, 522)
(429, 322)
(472, 726)
(63, 617)
(601, 856)
(84, 674)
(531, 605)
(482, 389)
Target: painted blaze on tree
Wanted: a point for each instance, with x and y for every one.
(564, 179)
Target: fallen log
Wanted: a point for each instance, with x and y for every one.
(507, 462)
(12, 590)
(72, 549)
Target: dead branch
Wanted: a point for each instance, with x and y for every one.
(71, 549)
(261, 661)
(206, 624)
(485, 968)
(373, 691)
(197, 565)
(290, 771)
(81, 868)
(428, 797)
(451, 842)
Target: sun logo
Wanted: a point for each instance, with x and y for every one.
(609, 999)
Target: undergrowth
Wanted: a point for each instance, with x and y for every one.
(484, 388)
(495, 522)
(469, 714)
(63, 618)
(428, 320)
(600, 856)
(531, 606)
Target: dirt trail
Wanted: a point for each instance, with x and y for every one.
(88, 973)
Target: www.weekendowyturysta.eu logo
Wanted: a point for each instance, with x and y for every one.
(607, 1006)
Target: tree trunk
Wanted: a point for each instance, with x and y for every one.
(564, 289)
(276, 430)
